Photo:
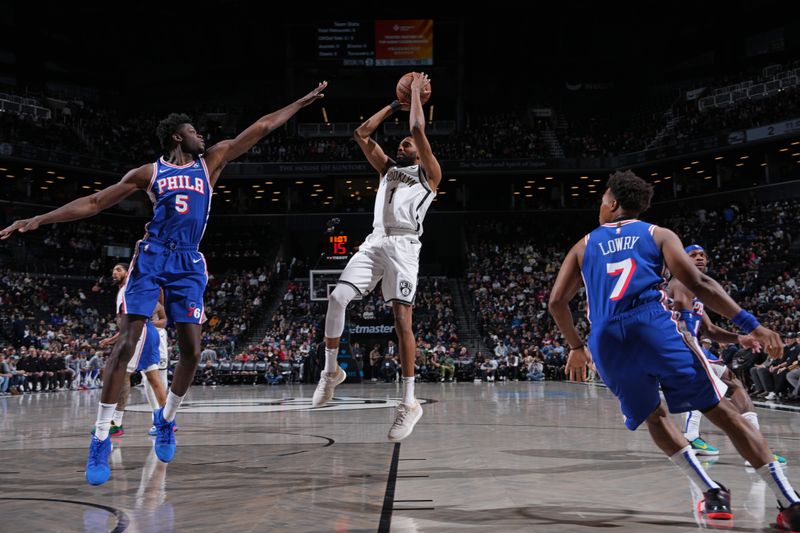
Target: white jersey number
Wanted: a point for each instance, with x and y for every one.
(623, 269)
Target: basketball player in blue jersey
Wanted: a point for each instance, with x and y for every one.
(390, 254)
(180, 185)
(695, 319)
(638, 346)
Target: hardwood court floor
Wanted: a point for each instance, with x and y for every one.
(488, 457)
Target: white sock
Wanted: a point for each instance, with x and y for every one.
(117, 418)
(691, 429)
(752, 418)
(330, 359)
(171, 409)
(408, 390)
(104, 413)
(686, 461)
(772, 473)
(149, 393)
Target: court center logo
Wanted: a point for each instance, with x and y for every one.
(273, 405)
(406, 287)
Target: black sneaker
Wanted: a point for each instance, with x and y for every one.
(789, 518)
(717, 504)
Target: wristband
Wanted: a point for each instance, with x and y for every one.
(397, 104)
(745, 321)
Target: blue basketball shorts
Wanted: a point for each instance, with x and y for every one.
(178, 269)
(643, 349)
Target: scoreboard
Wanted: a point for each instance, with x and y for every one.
(367, 43)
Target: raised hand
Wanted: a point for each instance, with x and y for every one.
(23, 225)
(420, 83)
(314, 95)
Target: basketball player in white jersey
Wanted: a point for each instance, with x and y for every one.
(407, 186)
(145, 356)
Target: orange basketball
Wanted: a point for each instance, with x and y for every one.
(404, 89)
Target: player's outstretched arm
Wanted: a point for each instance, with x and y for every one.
(87, 206)
(218, 155)
(711, 293)
(417, 122)
(372, 150)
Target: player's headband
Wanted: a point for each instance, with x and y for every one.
(693, 248)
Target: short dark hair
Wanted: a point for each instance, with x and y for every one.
(631, 192)
(170, 125)
(124, 266)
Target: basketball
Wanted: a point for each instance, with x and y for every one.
(404, 89)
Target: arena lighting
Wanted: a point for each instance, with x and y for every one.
(9, 175)
(43, 187)
(574, 187)
(654, 173)
(687, 168)
(223, 186)
(528, 196)
(745, 157)
(227, 199)
(330, 197)
(548, 177)
(255, 186)
(695, 162)
(314, 194)
(227, 192)
(298, 182)
(527, 186)
(98, 183)
(275, 199)
(268, 182)
(28, 169)
(349, 181)
(795, 154)
(701, 171)
(667, 177)
(324, 116)
(795, 143)
(783, 150)
(276, 192)
(587, 177)
(259, 191)
(451, 179)
(517, 192)
(430, 113)
(60, 178)
(3, 170)
(441, 192)
(739, 164)
(258, 197)
(592, 192)
(574, 194)
(719, 157)
(657, 181)
(763, 164)
(542, 188)
(326, 203)
(85, 187)
(597, 181)
(707, 178)
(49, 181)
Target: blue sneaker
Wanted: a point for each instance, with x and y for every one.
(165, 436)
(97, 469)
(153, 431)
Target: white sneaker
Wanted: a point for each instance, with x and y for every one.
(406, 417)
(327, 382)
(771, 396)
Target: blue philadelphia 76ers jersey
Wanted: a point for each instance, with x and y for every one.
(181, 197)
(622, 268)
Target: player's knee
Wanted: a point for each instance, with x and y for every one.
(402, 324)
(658, 416)
(341, 296)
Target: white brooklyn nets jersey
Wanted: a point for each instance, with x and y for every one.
(404, 197)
